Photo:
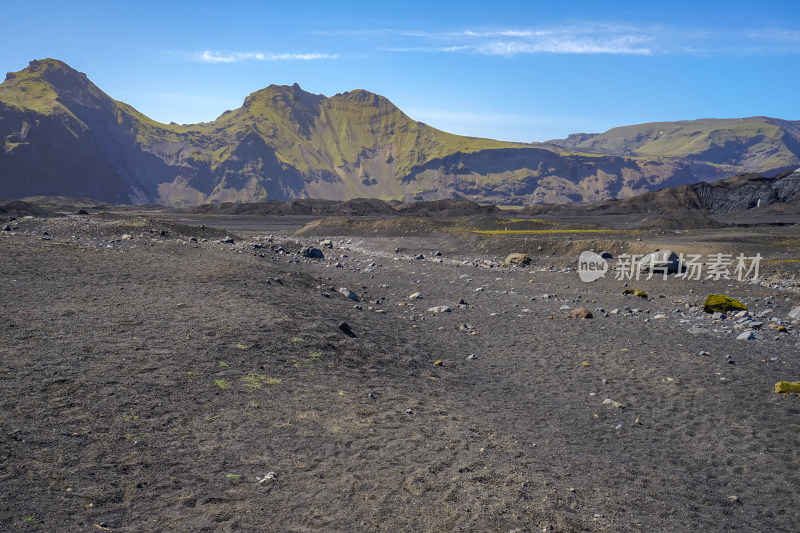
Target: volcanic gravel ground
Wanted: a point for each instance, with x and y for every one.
(154, 383)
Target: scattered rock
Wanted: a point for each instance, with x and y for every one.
(787, 386)
(747, 336)
(794, 314)
(312, 253)
(439, 309)
(722, 304)
(580, 312)
(782, 329)
(83, 212)
(415, 296)
(268, 477)
(327, 243)
(609, 401)
(6, 228)
(517, 259)
(349, 294)
(125, 237)
(471, 356)
(345, 327)
(438, 363)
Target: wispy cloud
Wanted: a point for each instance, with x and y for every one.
(621, 46)
(236, 57)
(589, 38)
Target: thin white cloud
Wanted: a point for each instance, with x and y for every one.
(590, 38)
(236, 57)
(619, 46)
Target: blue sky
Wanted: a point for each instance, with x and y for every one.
(521, 71)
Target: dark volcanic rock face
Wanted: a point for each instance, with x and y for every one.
(739, 193)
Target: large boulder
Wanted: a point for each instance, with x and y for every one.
(659, 261)
(312, 253)
(718, 303)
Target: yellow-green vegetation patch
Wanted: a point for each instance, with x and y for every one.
(636, 292)
(254, 380)
(719, 303)
(221, 383)
(787, 386)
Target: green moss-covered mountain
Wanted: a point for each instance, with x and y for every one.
(714, 148)
(61, 135)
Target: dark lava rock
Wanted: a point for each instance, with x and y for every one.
(312, 253)
(345, 327)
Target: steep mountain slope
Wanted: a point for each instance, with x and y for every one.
(714, 147)
(61, 135)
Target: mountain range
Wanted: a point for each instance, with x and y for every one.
(62, 135)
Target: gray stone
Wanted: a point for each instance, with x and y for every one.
(794, 314)
(439, 309)
(349, 294)
(660, 261)
(746, 336)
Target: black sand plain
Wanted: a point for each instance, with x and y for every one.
(152, 382)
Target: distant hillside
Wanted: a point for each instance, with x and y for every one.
(61, 135)
(714, 148)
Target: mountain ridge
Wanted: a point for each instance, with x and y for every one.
(63, 135)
